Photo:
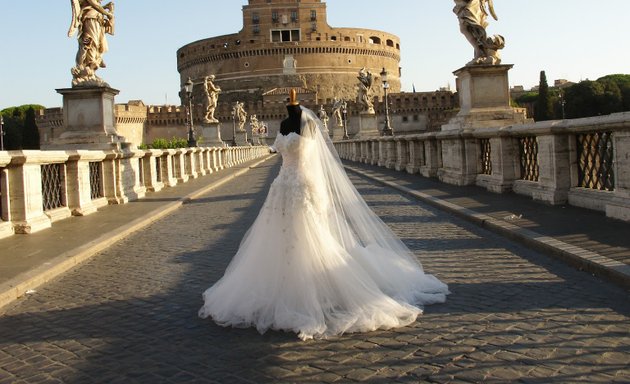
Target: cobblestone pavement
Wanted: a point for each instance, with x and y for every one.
(129, 315)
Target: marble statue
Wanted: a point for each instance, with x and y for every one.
(241, 115)
(365, 90)
(323, 116)
(472, 15)
(92, 21)
(336, 111)
(254, 124)
(211, 93)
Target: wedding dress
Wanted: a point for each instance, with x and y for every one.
(317, 261)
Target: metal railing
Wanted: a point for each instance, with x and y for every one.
(595, 158)
(52, 186)
(528, 150)
(96, 180)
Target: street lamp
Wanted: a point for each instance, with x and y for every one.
(387, 129)
(1, 133)
(344, 111)
(188, 88)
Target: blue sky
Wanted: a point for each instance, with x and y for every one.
(572, 40)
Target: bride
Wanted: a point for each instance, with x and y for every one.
(317, 261)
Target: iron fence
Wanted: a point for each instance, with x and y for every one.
(486, 156)
(595, 153)
(52, 186)
(96, 180)
(528, 149)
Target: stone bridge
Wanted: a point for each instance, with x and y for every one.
(539, 292)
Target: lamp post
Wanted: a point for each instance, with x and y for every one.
(344, 112)
(188, 87)
(234, 126)
(387, 129)
(1, 133)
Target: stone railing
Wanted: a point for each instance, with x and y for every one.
(38, 188)
(582, 162)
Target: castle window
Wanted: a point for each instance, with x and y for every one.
(390, 43)
(314, 27)
(313, 15)
(285, 35)
(274, 16)
(255, 18)
(333, 38)
(256, 29)
(294, 16)
(375, 40)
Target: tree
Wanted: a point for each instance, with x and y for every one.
(30, 134)
(18, 135)
(543, 109)
(583, 99)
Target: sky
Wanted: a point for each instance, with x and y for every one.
(574, 40)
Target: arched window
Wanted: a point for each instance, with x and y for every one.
(375, 40)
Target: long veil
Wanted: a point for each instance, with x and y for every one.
(360, 231)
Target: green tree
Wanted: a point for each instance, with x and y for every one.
(543, 109)
(30, 134)
(18, 134)
(583, 99)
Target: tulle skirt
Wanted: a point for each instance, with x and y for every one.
(291, 274)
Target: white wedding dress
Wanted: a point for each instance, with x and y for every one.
(317, 261)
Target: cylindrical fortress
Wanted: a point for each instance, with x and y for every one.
(288, 43)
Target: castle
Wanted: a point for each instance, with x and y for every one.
(288, 43)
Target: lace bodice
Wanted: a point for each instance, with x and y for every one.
(298, 179)
(292, 147)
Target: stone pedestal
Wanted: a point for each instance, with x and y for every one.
(337, 133)
(89, 121)
(368, 126)
(211, 133)
(484, 99)
(241, 139)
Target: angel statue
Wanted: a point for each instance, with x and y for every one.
(472, 15)
(336, 111)
(92, 21)
(323, 116)
(211, 93)
(365, 90)
(240, 114)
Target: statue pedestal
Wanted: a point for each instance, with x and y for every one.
(337, 133)
(368, 126)
(89, 120)
(211, 133)
(484, 99)
(241, 138)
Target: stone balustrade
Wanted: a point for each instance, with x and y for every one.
(581, 162)
(39, 188)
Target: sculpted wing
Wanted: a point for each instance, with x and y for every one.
(74, 23)
(491, 9)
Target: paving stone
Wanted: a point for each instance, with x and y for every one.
(129, 314)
